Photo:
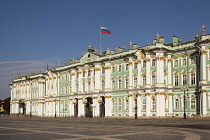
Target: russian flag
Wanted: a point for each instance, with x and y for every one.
(105, 30)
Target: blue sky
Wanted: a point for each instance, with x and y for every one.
(36, 32)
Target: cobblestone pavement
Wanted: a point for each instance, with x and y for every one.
(31, 128)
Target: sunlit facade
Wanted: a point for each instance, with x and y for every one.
(155, 80)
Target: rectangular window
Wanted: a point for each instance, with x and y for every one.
(113, 103)
(126, 104)
(126, 66)
(119, 104)
(193, 79)
(135, 82)
(120, 84)
(184, 79)
(126, 83)
(176, 80)
(113, 69)
(113, 84)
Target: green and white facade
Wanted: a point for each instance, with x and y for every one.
(152, 80)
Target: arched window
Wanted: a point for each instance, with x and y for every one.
(177, 104)
(185, 104)
(193, 103)
(126, 104)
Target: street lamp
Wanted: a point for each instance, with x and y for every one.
(55, 108)
(136, 115)
(184, 89)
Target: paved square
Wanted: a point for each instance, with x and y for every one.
(33, 128)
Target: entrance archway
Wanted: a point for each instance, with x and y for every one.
(88, 107)
(75, 107)
(22, 108)
(102, 106)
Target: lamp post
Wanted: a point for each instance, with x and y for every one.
(184, 89)
(136, 115)
(55, 108)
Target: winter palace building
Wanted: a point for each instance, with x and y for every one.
(154, 80)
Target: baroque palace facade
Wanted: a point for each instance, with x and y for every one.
(154, 80)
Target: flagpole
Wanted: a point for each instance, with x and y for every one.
(100, 41)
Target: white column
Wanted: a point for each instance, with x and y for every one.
(80, 108)
(139, 73)
(130, 74)
(130, 111)
(106, 106)
(107, 77)
(97, 77)
(80, 80)
(73, 89)
(160, 104)
(169, 72)
(170, 107)
(203, 103)
(148, 73)
(148, 104)
(203, 66)
(139, 105)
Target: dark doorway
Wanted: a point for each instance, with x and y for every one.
(88, 107)
(76, 108)
(102, 106)
(22, 108)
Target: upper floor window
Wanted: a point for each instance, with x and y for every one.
(135, 65)
(120, 68)
(113, 69)
(192, 78)
(176, 63)
(126, 83)
(184, 79)
(120, 84)
(176, 81)
(144, 63)
(89, 73)
(144, 80)
(192, 59)
(135, 82)
(184, 62)
(103, 70)
(83, 73)
(153, 62)
(126, 66)
(113, 84)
